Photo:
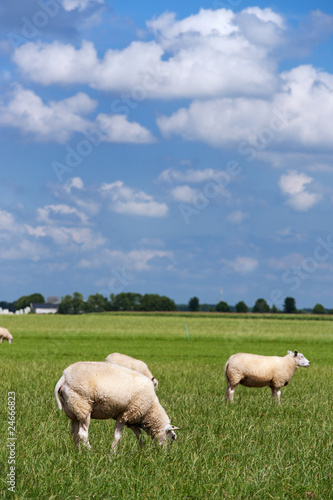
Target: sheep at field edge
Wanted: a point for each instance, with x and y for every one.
(99, 390)
(253, 370)
(5, 335)
(133, 364)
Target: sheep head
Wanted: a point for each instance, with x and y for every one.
(300, 358)
(168, 433)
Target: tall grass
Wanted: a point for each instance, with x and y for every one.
(252, 449)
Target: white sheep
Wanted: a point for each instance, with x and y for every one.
(133, 364)
(102, 391)
(253, 370)
(5, 335)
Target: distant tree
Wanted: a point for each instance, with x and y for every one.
(155, 302)
(274, 309)
(66, 305)
(7, 305)
(318, 309)
(261, 306)
(289, 306)
(193, 304)
(150, 302)
(126, 301)
(136, 302)
(182, 307)
(96, 303)
(329, 312)
(241, 307)
(26, 300)
(167, 304)
(204, 307)
(72, 305)
(222, 306)
(78, 303)
(37, 298)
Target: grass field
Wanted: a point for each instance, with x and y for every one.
(252, 449)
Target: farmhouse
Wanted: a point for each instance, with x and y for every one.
(44, 308)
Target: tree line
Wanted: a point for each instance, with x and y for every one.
(260, 306)
(75, 304)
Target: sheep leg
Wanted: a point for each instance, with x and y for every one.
(1, 340)
(118, 430)
(83, 432)
(277, 393)
(137, 432)
(75, 432)
(229, 393)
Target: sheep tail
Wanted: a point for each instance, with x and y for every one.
(226, 371)
(56, 391)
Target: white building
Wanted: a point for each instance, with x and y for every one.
(44, 308)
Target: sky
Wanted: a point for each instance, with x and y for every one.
(179, 148)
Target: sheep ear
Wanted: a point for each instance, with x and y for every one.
(174, 428)
(291, 353)
(295, 353)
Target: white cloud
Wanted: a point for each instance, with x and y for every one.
(184, 194)
(217, 122)
(296, 115)
(190, 175)
(125, 200)
(237, 217)
(7, 221)
(74, 182)
(69, 237)
(54, 121)
(57, 121)
(26, 250)
(134, 260)
(79, 4)
(285, 262)
(52, 213)
(117, 128)
(242, 265)
(293, 185)
(210, 53)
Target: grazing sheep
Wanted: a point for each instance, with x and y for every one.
(5, 335)
(132, 364)
(253, 370)
(101, 390)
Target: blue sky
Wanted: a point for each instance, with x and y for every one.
(182, 149)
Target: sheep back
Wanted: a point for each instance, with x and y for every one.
(106, 390)
(129, 362)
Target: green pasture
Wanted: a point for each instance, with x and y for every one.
(253, 449)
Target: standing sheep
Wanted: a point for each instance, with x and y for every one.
(133, 364)
(102, 391)
(253, 370)
(5, 335)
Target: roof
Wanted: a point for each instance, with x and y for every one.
(35, 305)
